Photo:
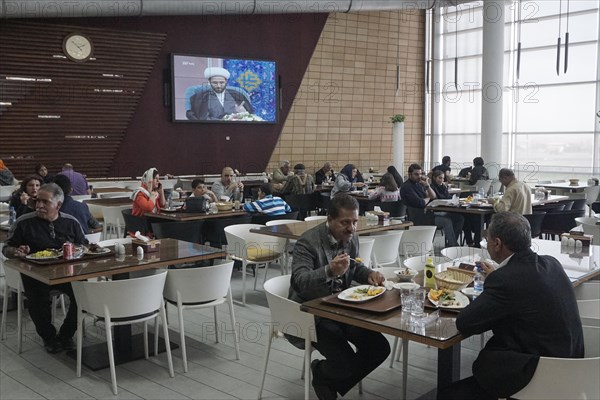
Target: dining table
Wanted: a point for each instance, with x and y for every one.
(178, 215)
(127, 347)
(565, 186)
(295, 230)
(111, 190)
(110, 201)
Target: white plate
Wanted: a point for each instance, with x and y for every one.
(462, 300)
(56, 254)
(351, 295)
(469, 291)
(406, 286)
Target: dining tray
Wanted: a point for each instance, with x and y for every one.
(55, 261)
(384, 303)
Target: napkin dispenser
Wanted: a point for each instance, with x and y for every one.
(150, 246)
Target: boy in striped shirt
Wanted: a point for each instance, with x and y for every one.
(266, 203)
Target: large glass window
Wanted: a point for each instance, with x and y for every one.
(550, 120)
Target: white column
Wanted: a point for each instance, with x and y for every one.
(398, 146)
(492, 84)
(436, 90)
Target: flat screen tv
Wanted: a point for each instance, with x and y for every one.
(223, 90)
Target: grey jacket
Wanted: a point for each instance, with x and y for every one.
(312, 253)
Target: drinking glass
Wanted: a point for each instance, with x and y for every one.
(407, 300)
(418, 304)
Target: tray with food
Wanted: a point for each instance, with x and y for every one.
(55, 256)
(383, 301)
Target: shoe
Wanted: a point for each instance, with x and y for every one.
(53, 345)
(322, 390)
(66, 343)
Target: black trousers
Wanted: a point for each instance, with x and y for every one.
(39, 304)
(343, 367)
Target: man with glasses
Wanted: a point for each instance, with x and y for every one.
(46, 228)
(227, 186)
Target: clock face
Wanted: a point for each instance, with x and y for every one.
(77, 47)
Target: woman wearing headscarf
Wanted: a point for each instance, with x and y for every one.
(23, 200)
(150, 197)
(397, 177)
(344, 180)
(6, 177)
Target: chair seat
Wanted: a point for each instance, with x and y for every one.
(259, 254)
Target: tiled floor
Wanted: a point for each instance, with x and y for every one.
(214, 373)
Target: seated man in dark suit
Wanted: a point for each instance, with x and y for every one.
(323, 264)
(529, 304)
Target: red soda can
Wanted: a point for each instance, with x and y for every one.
(68, 250)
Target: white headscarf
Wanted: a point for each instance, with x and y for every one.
(146, 182)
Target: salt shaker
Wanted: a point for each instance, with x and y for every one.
(119, 248)
(140, 252)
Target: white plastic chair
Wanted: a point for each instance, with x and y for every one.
(452, 253)
(252, 248)
(316, 218)
(588, 291)
(96, 211)
(567, 378)
(113, 220)
(365, 249)
(417, 240)
(589, 310)
(93, 237)
(122, 302)
(14, 283)
(286, 317)
(289, 244)
(189, 288)
(385, 248)
(590, 227)
(418, 262)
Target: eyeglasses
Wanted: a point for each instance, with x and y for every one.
(52, 233)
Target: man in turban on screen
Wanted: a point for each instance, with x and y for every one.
(217, 100)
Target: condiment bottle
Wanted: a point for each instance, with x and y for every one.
(429, 274)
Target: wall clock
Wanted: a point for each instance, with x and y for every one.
(78, 47)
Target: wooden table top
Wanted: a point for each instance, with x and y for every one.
(295, 230)
(171, 252)
(442, 334)
(111, 190)
(185, 216)
(110, 202)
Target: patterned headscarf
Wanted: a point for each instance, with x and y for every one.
(146, 182)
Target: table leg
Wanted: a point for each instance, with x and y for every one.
(448, 366)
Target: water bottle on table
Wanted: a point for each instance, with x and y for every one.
(481, 193)
(478, 280)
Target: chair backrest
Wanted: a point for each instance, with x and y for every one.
(285, 313)
(578, 204)
(452, 253)
(281, 222)
(186, 231)
(589, 308)
(240, 240)
(93, 237)
(111, 195)
(213, 230)
(567, 378)
(365, 248)
(395, 208)
(302, 202)
(417, 240)
(7, 191)
(96, 210)
(418, 262)
(113, 215)
(536, 221)
(550, 207)
(591, 194)
(385, 248)
(588, 291)
(262, 219)
(13, 279)
(200, 284)
(568, 204)
(134, 223)
(121, 298)
(316, 218)
(483, 183)
(495, 187)
(590, 227)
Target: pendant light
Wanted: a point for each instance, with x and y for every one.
(567, 39)
(558, 42)
(519, 23)
(456, 50)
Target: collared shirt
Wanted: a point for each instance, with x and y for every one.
(268, 205)
(505, 261)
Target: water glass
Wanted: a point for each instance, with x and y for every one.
(407, 300)
(418, 303)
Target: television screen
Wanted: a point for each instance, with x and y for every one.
(211, 89)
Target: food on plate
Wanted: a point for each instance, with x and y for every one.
(405, 271)
(371, 291)
(94, 248)
(444, 297)
(469, 199)
(45, 254)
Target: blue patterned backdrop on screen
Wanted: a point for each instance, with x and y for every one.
(259, 80)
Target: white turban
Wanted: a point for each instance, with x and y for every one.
(216, 71)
